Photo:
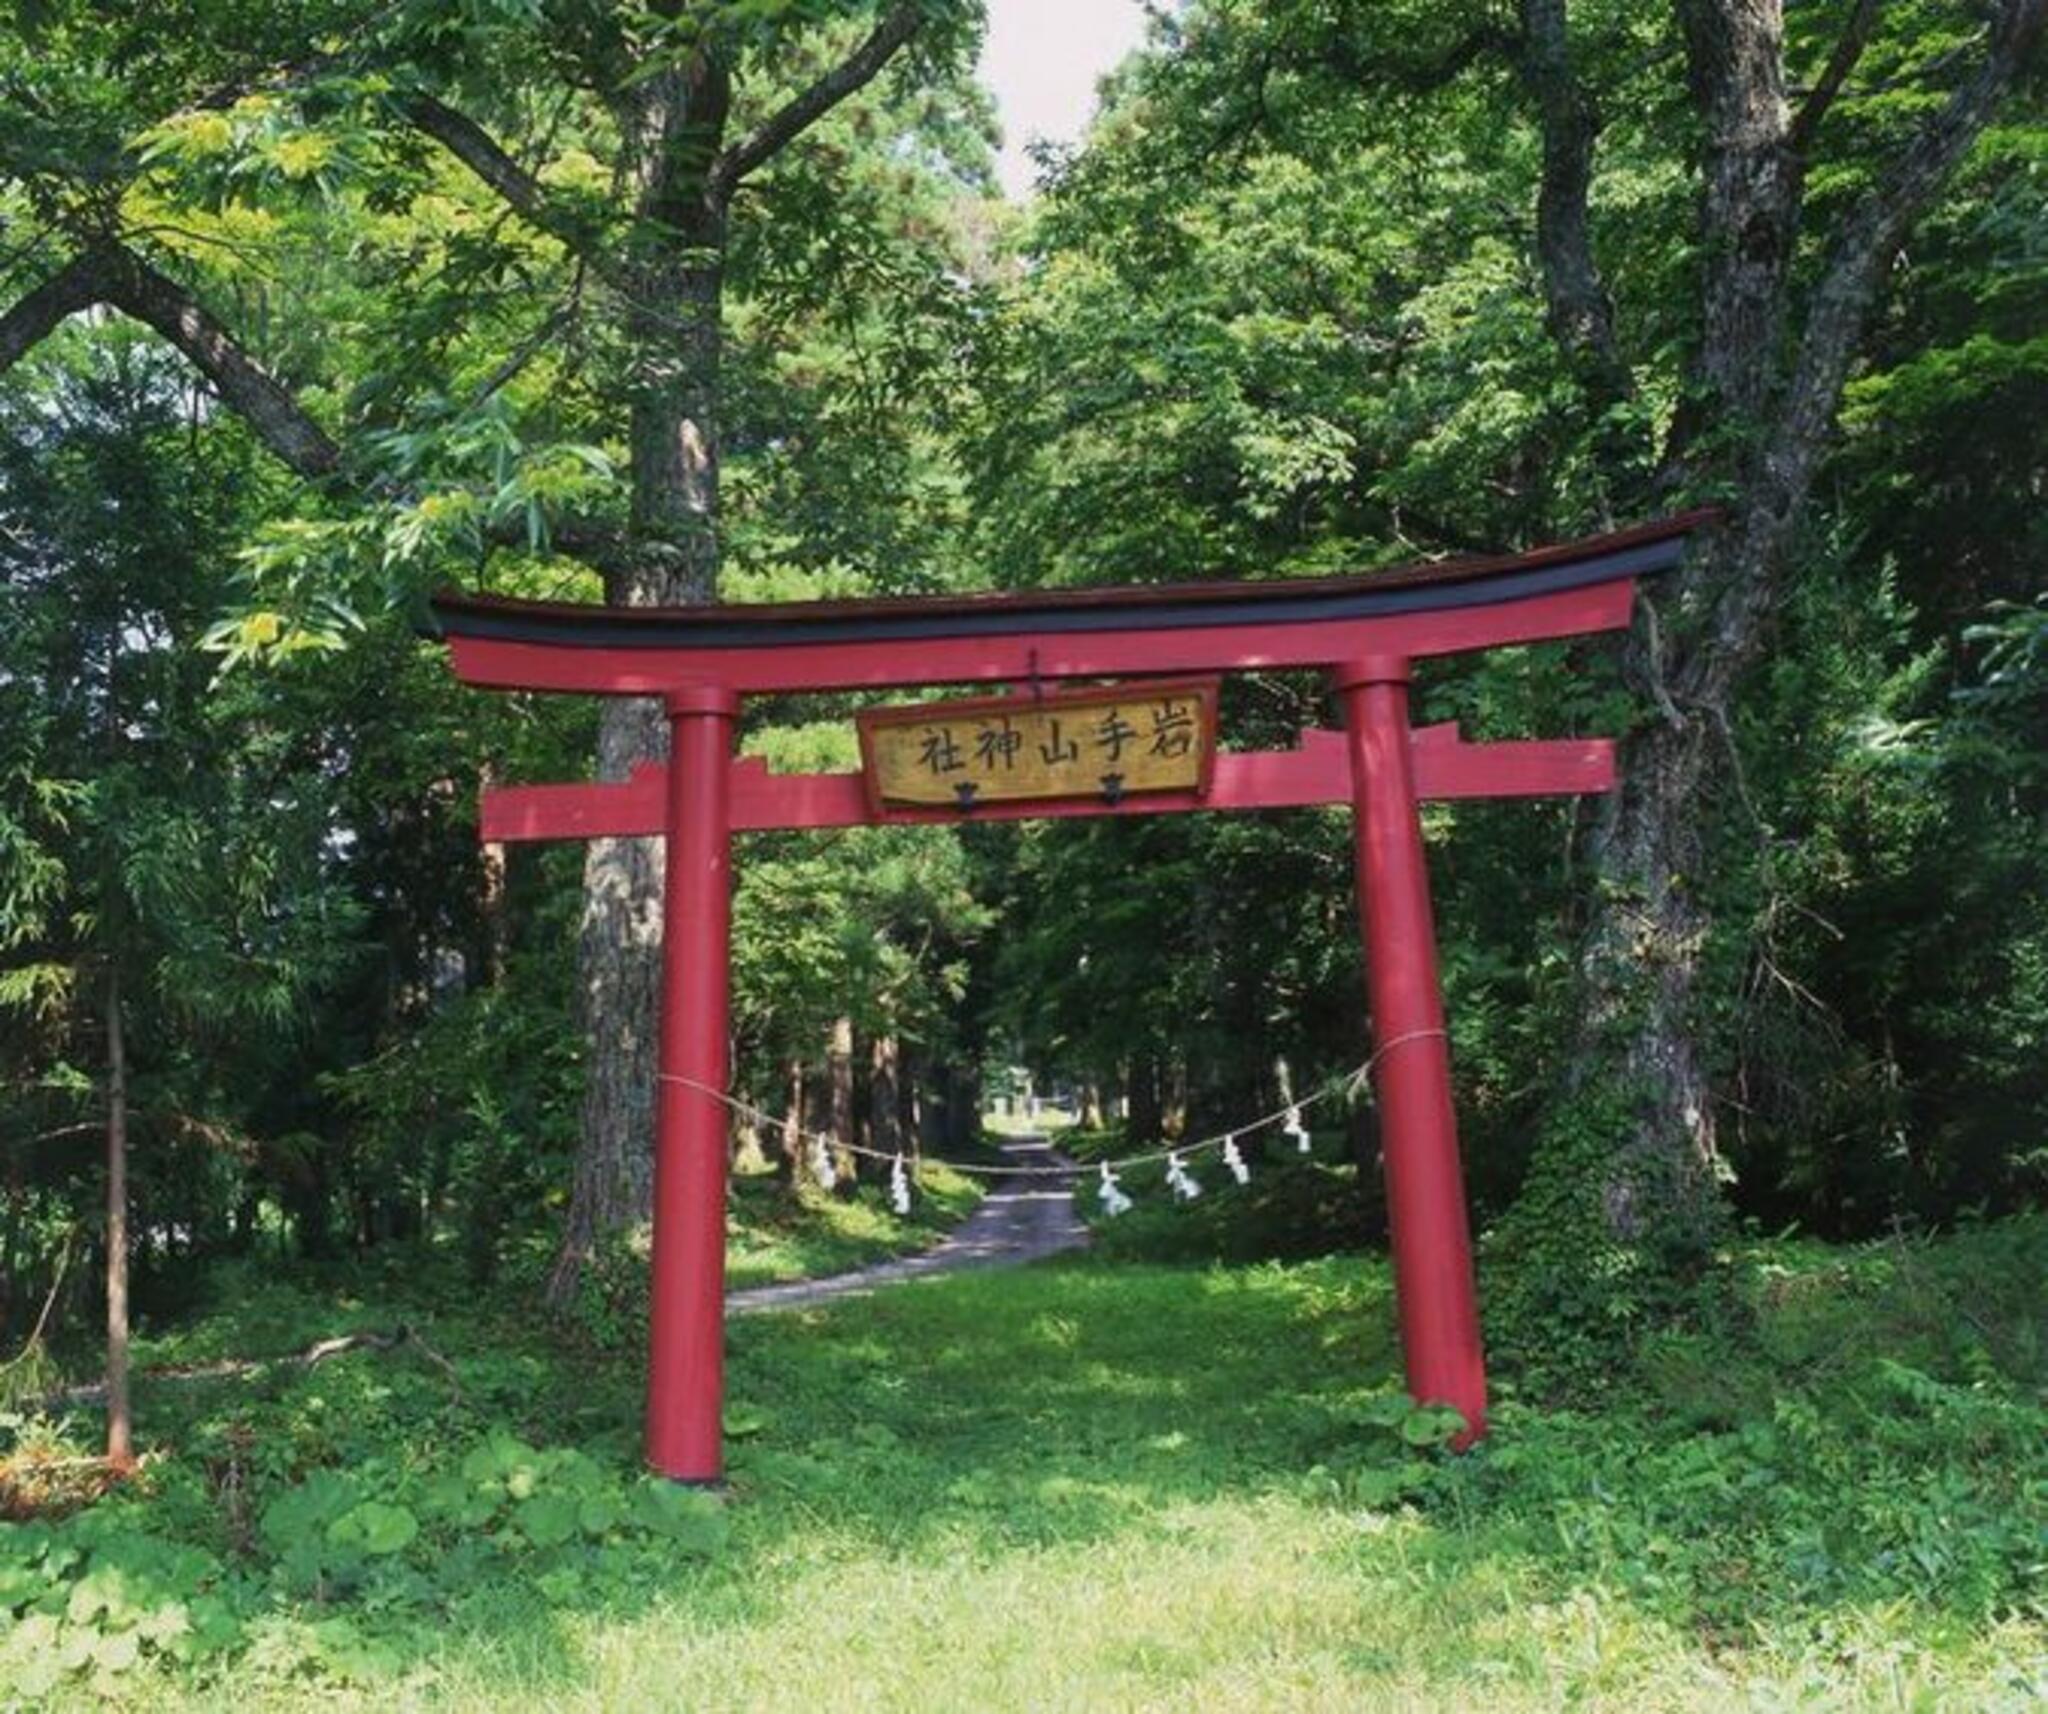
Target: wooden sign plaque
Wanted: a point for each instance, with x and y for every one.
(1106, 744)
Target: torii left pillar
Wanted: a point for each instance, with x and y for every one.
(686, 1323)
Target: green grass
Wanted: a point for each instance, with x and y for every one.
(1117, 1485)
(772, 1236)
(1050, 1122)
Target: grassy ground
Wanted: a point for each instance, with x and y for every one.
(770, 1238)
(1090, 1485)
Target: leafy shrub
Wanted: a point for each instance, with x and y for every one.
(342, 1566)
(95, 1597)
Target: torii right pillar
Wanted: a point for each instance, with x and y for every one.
(1431, 1236)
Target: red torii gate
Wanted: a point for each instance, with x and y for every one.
(1363, 631)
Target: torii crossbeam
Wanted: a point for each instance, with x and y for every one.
(1364, 632)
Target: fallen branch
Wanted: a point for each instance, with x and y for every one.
(398, 1338)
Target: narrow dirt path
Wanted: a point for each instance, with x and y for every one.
(1022, 1220)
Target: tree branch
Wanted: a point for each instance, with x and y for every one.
(264, 402)
(108, 273)
(35, 316)
(1836, 317)
(1751, 189)
(113, 275)
(1848, 50)
(786, 124)
(1578, 310)
(398, 1339)
(479, 151)
(1872, 233)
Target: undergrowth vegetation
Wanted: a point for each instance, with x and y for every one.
(1127, 1485)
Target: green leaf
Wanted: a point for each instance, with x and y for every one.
(1386, 1410)
(743, 1422)
(1377, 1487)
(302, 1512)
(116, 1651)
(463, 1502)
(600, 1514)
(1431, 1425)
(499, 1458)
(547, 1520)
(375, 1527)
(694, 1520)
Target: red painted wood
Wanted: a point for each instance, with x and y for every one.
(1446, 767)
(686, 1331)
(1426, 1221)
(795, 666)
(1317, 773)
(698, 800)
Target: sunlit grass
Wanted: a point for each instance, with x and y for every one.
(774, 1235)
(1087, 1486)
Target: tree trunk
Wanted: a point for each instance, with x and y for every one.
(1143, 1129)
(912, 1097)
(789, 1165)
(120, 1435)
(491, 899)
(1173, 1100)
(839, 1097)
(885, 1095)
(1091, 1105)
(675, 279)
(1640, 1053)
(963, 1108)
(1628, 1155)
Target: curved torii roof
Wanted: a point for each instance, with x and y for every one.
(1480, 602)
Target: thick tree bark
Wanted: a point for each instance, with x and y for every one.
(1749, 199)
(789, 1163)
(839, 1107)
(1768, 379)
(670, 277)
(1579, 313)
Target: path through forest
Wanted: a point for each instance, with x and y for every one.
(1027, 1217)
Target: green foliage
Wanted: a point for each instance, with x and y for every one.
(1601, 1247)
(98, 1598)
(155, 835)
(1843, 1488)
(776, 1232)
(1293, 1207)
(93, 1601)
(1284, 315)
(478, 1107)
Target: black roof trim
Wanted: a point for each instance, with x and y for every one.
(1642, 552)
